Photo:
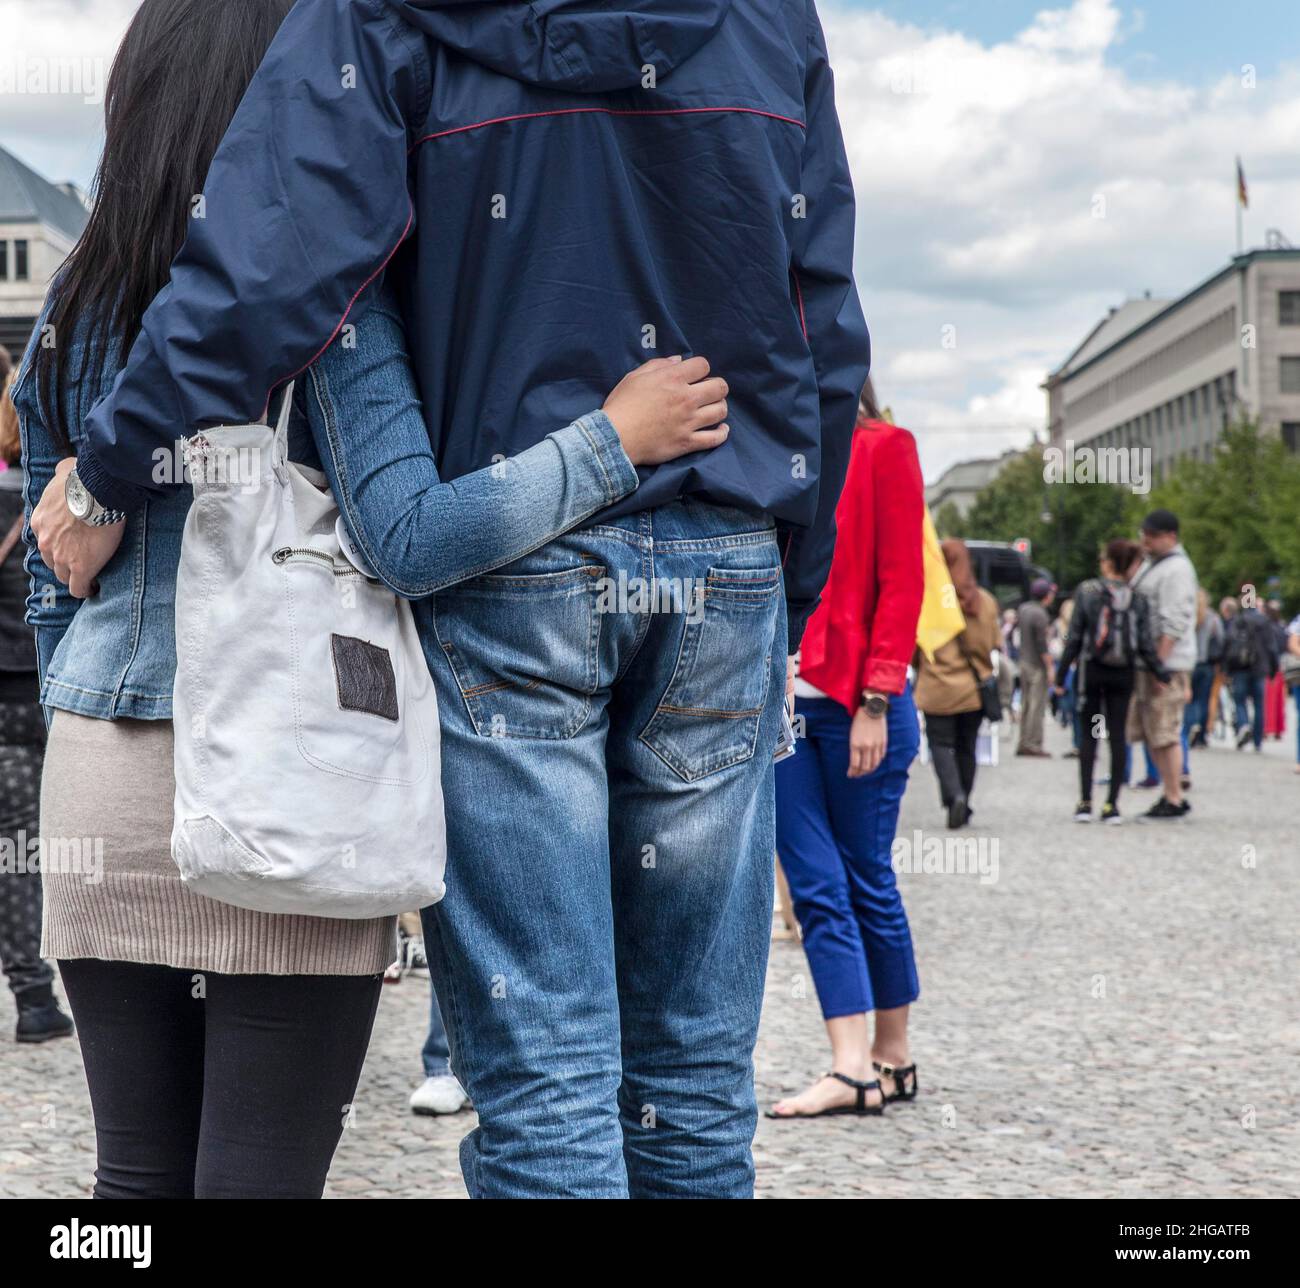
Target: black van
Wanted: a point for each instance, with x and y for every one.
(1004, 571)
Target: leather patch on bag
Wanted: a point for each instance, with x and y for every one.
(363, 674)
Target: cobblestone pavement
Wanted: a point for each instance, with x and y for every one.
(1116, 1014)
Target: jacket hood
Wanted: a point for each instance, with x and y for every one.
(583, 46)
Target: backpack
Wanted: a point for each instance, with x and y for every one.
(1115, 637)
(1240, 646)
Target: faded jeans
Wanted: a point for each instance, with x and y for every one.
(608, 776)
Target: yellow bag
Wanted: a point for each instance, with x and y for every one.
(941, 617)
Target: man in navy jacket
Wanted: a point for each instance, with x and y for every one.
(558, 191)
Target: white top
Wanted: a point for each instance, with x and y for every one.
(802, 689)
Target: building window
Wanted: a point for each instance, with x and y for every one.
(1291, 435)
(1288, 308)
(20, 261)
(1290, 376)
(4, 261)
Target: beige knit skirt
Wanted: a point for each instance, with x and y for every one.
(113, 892)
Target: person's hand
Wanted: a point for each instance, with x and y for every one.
(1059, 690)
(73, 551)
(868, 742)
(791, 665)
(668, 408)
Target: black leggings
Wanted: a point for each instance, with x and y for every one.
(217, 1086)
(1106, 693)
(953, 741)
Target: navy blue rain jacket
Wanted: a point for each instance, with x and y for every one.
(558, 190)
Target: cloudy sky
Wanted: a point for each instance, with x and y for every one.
(1019, 168)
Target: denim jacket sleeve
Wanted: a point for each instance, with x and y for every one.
(420, 534)
(306, 200)
(822, 265)
(50, 606)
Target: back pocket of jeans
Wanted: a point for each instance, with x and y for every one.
(524, 649)
(708, 717)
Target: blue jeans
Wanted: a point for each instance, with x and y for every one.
(1072, 705)
(601, 952)
(435, 1054)
(1297, 724)
(1249, 688)
(834, 835)
(1198, 708)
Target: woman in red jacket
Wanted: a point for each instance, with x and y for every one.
(837, 799)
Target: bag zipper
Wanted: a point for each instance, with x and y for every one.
(285, 553)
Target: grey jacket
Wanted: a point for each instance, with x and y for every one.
(1169, 585)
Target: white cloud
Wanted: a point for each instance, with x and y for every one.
(1088, 28)
(1015, 191)
(54, 65)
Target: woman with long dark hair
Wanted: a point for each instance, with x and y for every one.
(838, 797)
(948, 687)
(1109, 632)
(223, 1046)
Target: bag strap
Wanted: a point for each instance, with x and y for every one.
(282, 427)
(11, 538)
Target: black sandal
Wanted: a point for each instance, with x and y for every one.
(900, 1074)
(859, 1108)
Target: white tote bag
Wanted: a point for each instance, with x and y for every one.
(307, 763)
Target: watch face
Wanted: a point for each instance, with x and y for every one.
(80, 501)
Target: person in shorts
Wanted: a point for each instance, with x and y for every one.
(1168, 581)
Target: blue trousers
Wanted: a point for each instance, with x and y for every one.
(1198, 709)
(607, 772)
(834, 835)
(1249, 688)
(436, 1052)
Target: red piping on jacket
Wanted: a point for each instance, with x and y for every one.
(798, 291)
(608, 111)
(410, 219)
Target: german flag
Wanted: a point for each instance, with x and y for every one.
(1243, 193)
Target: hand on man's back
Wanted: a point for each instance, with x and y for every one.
(73, 551)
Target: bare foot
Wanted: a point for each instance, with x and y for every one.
(825, 1093)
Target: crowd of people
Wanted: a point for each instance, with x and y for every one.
(611, 813)
(1139, 658)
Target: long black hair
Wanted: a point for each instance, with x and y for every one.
(176, 82)
(868, 407)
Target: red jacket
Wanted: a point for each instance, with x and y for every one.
(863, 634)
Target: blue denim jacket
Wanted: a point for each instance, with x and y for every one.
(114, 656)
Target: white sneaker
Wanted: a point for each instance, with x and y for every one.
(440, 1095)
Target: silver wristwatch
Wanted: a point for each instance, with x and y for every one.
(83, 507)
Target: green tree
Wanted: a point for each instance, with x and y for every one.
(1066, 523)
(1239, 513)
(949, 522)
